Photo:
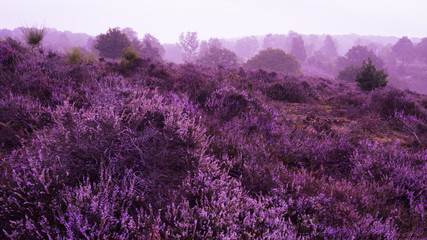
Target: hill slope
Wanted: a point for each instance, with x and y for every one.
(97, 150)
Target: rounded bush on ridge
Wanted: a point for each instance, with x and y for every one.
(274, 60)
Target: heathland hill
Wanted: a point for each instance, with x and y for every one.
(133, 150)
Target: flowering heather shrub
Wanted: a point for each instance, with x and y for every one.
(352, 98)
(289, 92)
(198, 85)
(75, 56)
(217, 207)
(142, 136)
(19, 118)
(399, 184)
(389, 101)
(188, 152)
(9, 56)
(227, 103)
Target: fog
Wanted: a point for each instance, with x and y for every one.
(166, 19)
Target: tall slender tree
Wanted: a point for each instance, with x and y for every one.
(298, 48)
(189, 43)
(404, 50)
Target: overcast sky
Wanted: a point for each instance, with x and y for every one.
(166, 19)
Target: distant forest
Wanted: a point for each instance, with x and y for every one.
(404, 59)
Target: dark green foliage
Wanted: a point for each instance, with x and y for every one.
(129, 58)
(369, 78)
(112, 43)
(75, 56)
(274, 60)
(33, 36)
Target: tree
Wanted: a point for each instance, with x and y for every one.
(274, 60)
(275, 41)
(349, 73)
(404, 50)
(133, 38)
(298, 49)
(368, 78)
(329, 47)
(205, 46)
(421, 50)
(151, 48)
(322, 61)
(218, 56)
(357, 55)
(246, 47)
(112, 43)
(268, 42)
(189, 45)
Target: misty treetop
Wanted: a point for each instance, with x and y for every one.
(357, 55)
(404, 50)
(298, 48)
(189, 43)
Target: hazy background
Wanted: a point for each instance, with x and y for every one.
(166, 19)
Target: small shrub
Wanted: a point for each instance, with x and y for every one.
(368, 78)
(129, 58)
(75, 56)
(33, 36)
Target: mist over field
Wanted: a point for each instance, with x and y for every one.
(213, 119)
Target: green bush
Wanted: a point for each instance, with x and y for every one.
(33, 36)
(129, 58)
(75, 56)
(369, 78)
(274, 60)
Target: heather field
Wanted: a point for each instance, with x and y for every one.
(142, 149)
